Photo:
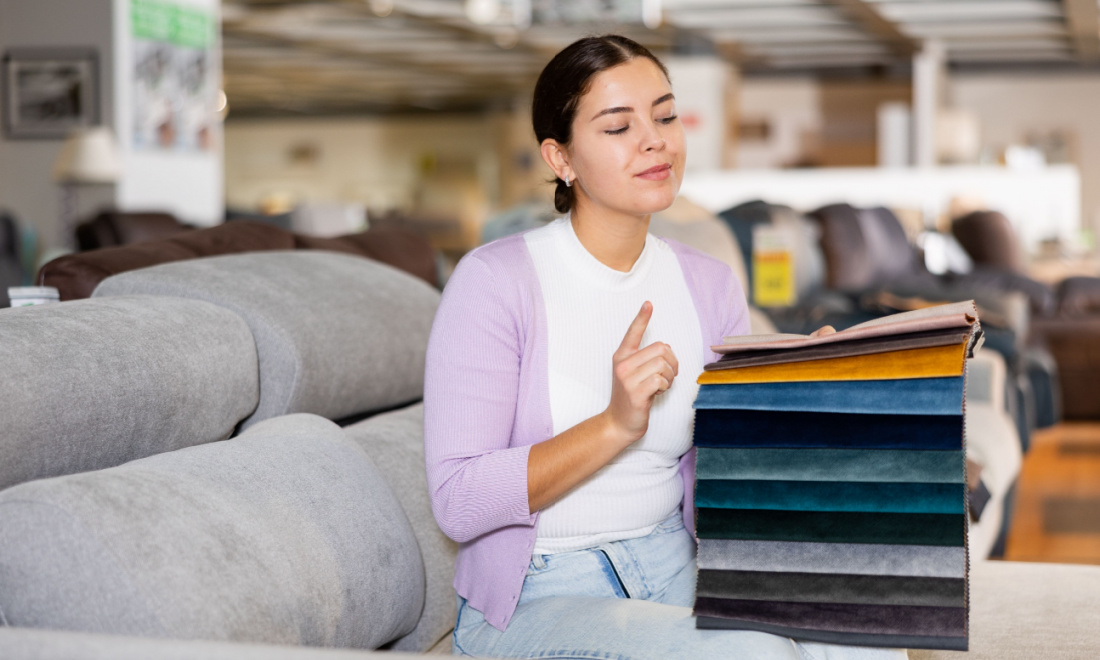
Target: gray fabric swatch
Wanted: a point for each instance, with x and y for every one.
(848, 558)
(287, 534)
(337, 335)
(91, 384)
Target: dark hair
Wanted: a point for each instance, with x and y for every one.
(566, 79)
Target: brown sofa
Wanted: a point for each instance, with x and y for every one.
(1069, 327)
(77, 275)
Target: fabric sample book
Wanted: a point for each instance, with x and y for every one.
(831, 490)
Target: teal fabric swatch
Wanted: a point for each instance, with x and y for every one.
(832, 526)
(811, 464)
(922, 396)
(831, 496)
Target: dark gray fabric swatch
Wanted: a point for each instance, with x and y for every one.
(830, 637)
(832, 588)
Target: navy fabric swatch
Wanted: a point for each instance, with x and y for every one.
(766, 428)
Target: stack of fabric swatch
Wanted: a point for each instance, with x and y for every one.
(831, 483)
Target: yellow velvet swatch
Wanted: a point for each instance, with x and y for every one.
(935, 362)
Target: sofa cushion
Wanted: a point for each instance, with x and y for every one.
(397, 247)
(287, 534)
(337, 335)
(395, 442)
(91, 384)
(1020, 610)
(77, 275)
(32, 644)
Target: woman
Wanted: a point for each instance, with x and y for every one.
(557, 428)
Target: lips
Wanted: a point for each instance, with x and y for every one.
(656, 173)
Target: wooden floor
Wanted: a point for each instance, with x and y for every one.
(1057, 516)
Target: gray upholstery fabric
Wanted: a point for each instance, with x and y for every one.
(1027, 611)
(395, 442)
(337, 335)
(91, 384)
(31, 644)
(287, 534)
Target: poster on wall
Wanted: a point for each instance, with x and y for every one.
(48, 92)
(175, 76)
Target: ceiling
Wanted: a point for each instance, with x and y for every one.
(328, 57)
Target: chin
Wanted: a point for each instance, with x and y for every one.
(655, 201)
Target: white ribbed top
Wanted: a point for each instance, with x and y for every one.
(588, 310)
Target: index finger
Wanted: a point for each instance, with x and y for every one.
(633, 338)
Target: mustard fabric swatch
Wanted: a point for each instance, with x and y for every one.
(935, 362)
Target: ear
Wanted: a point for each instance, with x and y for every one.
(555, 155)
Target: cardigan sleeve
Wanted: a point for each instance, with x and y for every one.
(477, 480)
(736, 319)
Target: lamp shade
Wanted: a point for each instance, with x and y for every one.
(89, 155)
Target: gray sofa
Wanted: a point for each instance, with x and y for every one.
(174, 482)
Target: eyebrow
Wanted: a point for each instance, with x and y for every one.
(609, 111)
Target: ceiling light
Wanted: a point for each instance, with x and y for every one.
(381, 8)
(482, 12)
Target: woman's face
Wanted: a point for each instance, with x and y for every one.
(627, 150)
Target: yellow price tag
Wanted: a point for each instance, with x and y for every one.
(772, 279)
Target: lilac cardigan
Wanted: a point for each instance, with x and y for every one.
(486, 401)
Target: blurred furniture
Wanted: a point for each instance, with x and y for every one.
(12, 272)
(111, 228)
(1067, 321)
(88, 157)
(77, 275)
(328, 219)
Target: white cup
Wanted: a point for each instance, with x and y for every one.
(25, 296)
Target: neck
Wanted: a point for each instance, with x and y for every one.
(615, 240)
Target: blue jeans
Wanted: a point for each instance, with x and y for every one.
(626, 600)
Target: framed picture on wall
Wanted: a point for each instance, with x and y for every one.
(47, 92)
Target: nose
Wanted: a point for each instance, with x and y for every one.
(653, 140)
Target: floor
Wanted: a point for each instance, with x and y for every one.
(1057, 516)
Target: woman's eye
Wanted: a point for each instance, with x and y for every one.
(668, 120)
(617, 131)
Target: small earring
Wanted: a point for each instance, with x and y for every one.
(568, 183)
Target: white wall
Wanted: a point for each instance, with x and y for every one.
(792, 108)
(447, 164)
(25, 184)
(1012, 106)
(701, 85)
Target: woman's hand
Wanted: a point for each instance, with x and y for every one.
(640, 374)
(557, 465)
(823, 330)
